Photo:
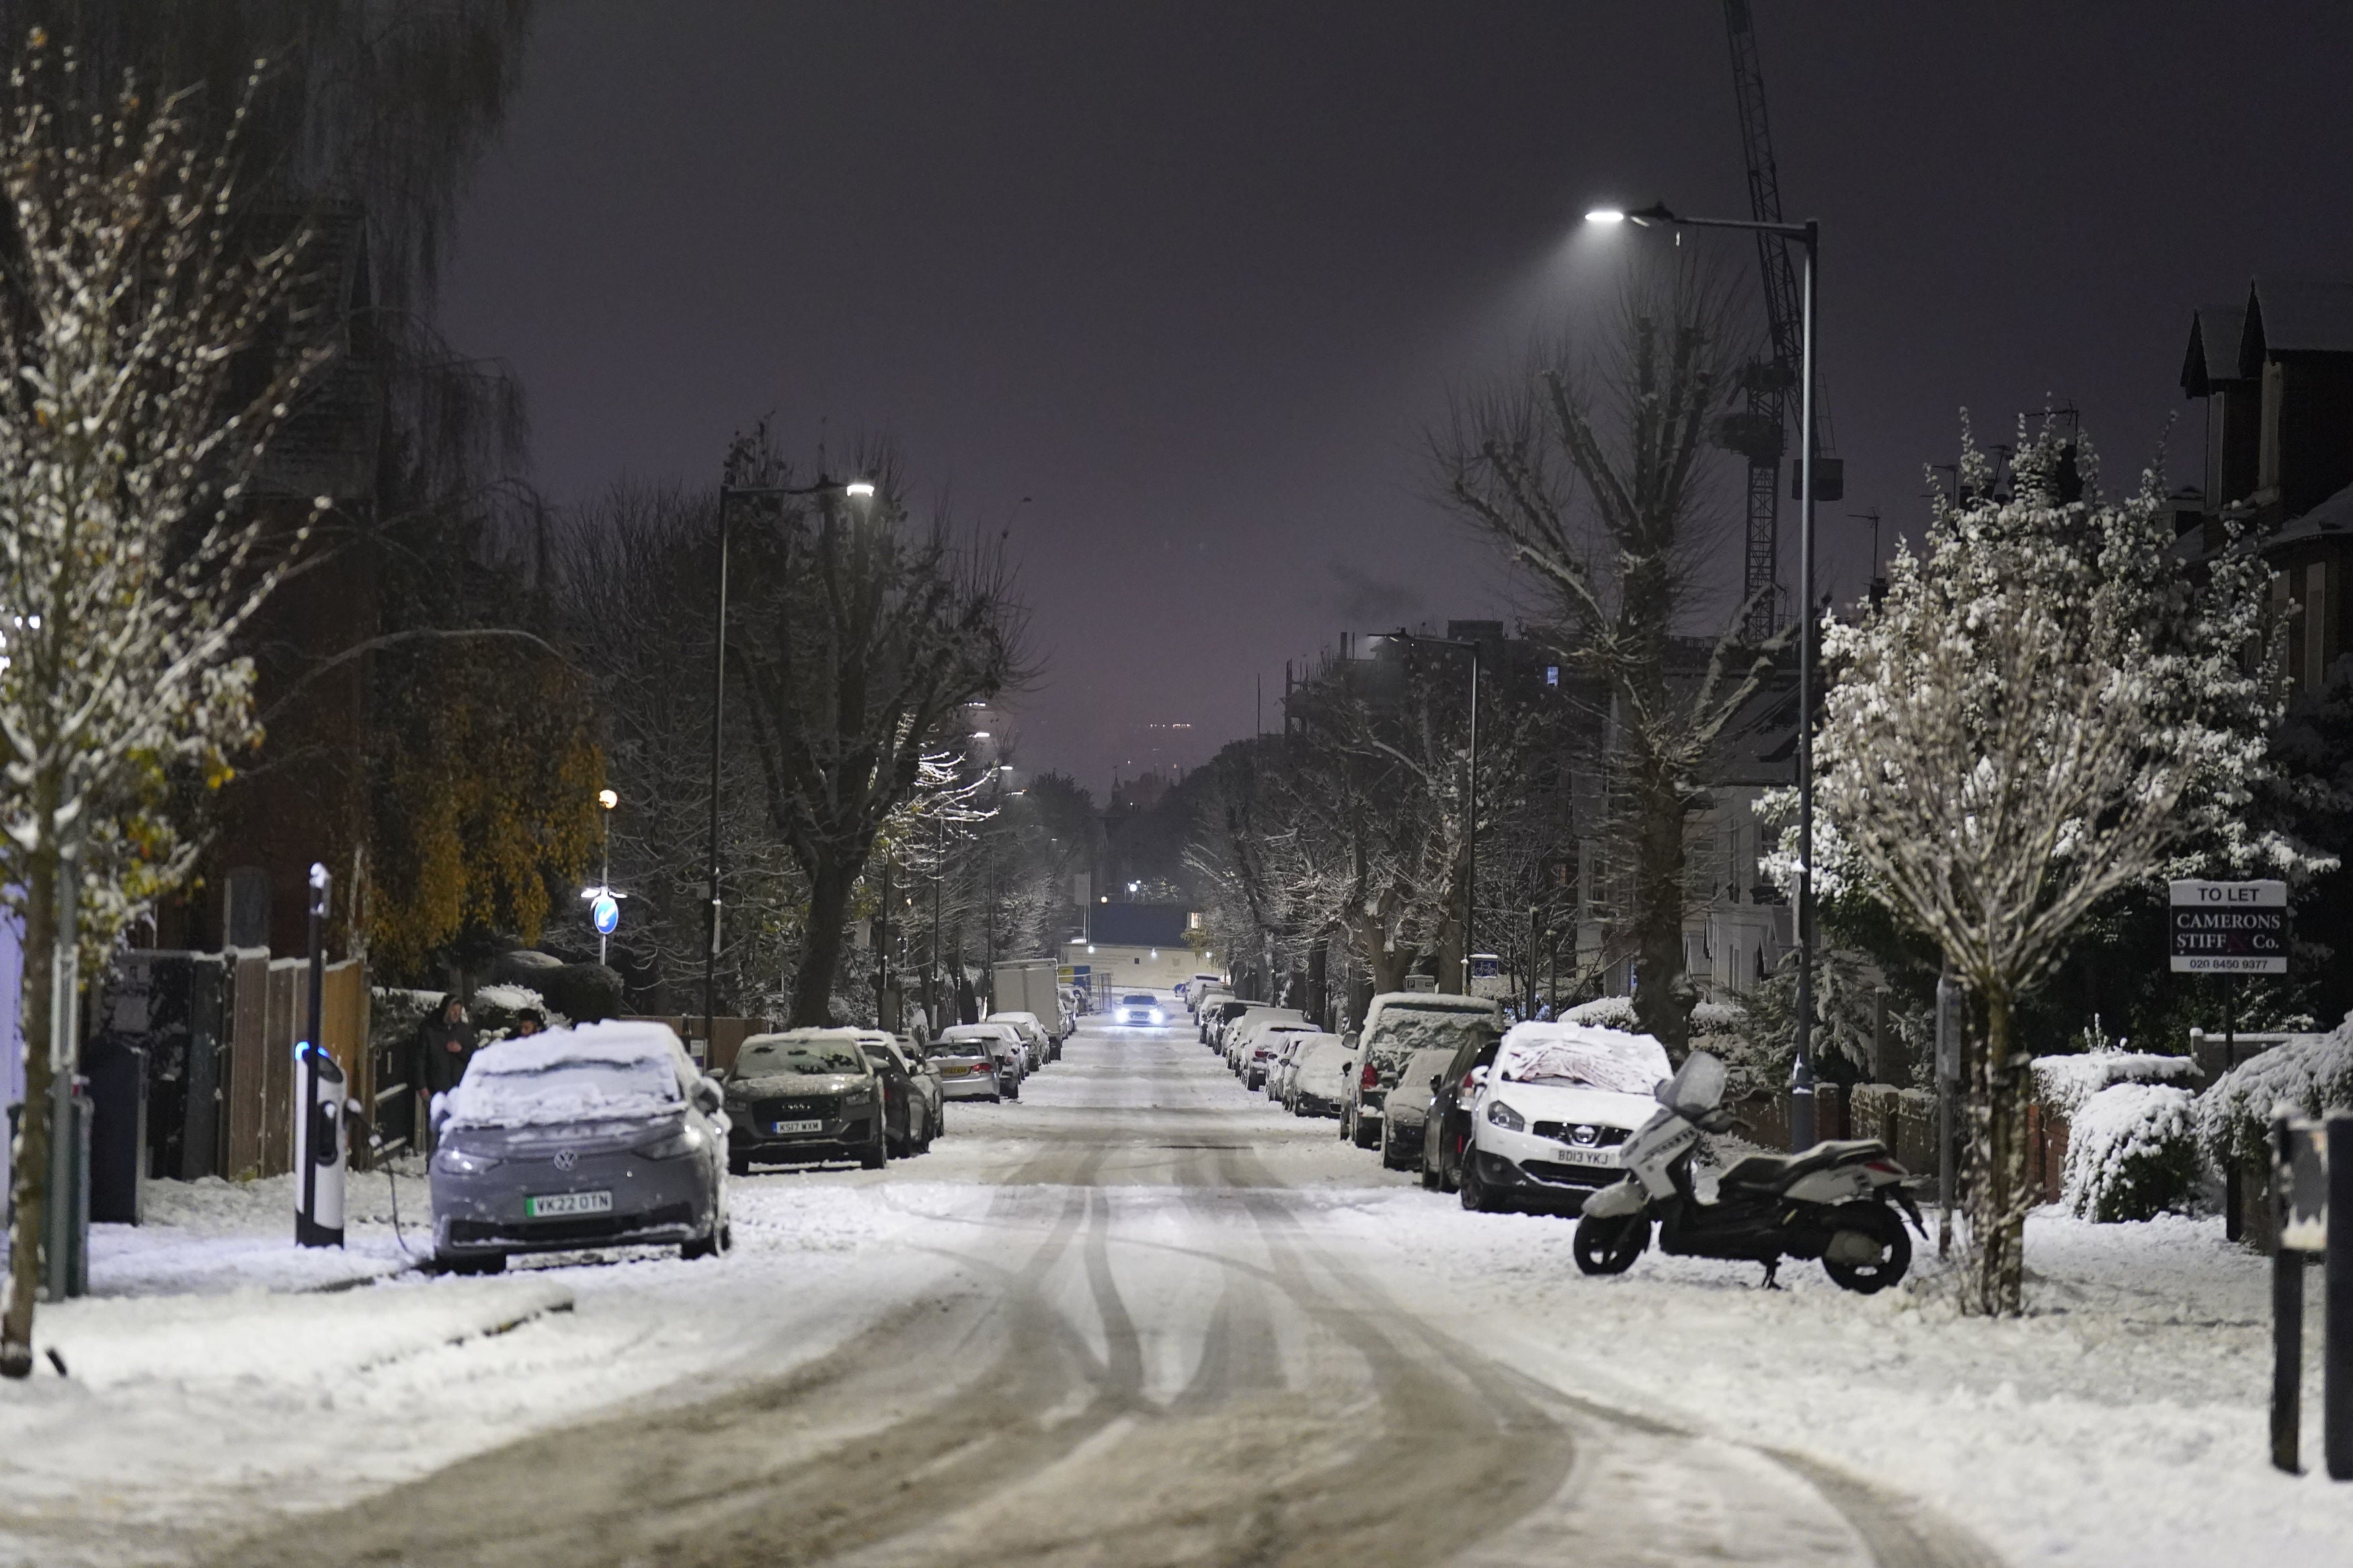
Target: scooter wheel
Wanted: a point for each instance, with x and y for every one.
(1867, 1250)
(1609, 1244)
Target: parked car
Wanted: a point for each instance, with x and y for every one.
(1011, 1050)
(1405, 1108)
(806, 1095)
(600, 1135)
(1041, 1046)
(1291, 1045)
(1446, 1128)
(910, 1094)
(1397, 1025)
(1233, 1035)
(1553, 1110)
(1215, 1012)
(1206, 996)
(1262, 1040)
(1201, 984)
(1319, 1082)
(965, 1056)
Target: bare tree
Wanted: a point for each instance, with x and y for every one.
(2042, 709)
(861, 635)
(144, 364)
(1589, 476)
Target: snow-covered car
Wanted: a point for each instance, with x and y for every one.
(1206, 997)
(1042, 1046)
(1140, 1010)
(1263, 1043)
(1397, 1025)
(1242, 1029)
(1289, 1049)
(1552, 1112)
(1320, 1077)
(804, 1095)
(1012, 1052)
(966, 1056)
(1214, 1015)
(910, 1097)
(1405, 1110)
(601, 1135)
(1200, 985)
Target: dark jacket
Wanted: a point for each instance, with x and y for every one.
(445, 1049)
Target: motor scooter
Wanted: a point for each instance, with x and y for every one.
(1832, 1202)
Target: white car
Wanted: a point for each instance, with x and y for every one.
(1553, 1112)
(1241, 1029)
(1290, 1046)
(1321, 1076)
(1033, 1034)
(1141, 1010)
(1262, 1046)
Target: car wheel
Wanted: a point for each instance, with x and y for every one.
(1476, 1195)
(1609, 1244)
(701, 1246)
(1868, 1250)
(875, 1158)
(1368, 1137)
(738, 1165)
(1430, 1180)
(727, 1238)
(1390, 1160)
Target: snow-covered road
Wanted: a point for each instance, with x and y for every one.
(1137, 1317)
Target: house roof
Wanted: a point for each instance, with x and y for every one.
(2214, 334)
(2330, 518)
(2287, 315)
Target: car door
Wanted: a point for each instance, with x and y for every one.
(895, 1087)
(1455, 1126)
(924, 1074)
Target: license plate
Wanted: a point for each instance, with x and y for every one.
(797, 1127)
(959, 1072)
(1577, 1156)
(555, 1204)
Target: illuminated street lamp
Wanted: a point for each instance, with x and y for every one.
(1809, 234)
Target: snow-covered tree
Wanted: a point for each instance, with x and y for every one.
(145, 360)
(2045, 707)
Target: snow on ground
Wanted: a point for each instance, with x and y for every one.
(2122, 1421)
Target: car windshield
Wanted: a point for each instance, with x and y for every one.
(1399, 1032)
(1139, 1002)
(1580, 1057)
(764, 1057)
(878, 1055)
(961, 1050)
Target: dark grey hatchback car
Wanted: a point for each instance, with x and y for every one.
(806, 1095)
(603, 1135)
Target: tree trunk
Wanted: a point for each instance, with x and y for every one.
(1663, 997)
(828, 920)
(1998, 1195)
(29, 1169)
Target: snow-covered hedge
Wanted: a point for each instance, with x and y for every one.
(2313, 1076)
(2132, 1151)
(1618, 1013)
(2063, 1083)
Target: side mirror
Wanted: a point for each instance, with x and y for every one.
(1435, 1079)
(709, 1095)
(1476, 1078)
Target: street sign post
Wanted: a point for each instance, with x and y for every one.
(2313, 1195)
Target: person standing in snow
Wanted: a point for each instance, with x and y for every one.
(444, 1047)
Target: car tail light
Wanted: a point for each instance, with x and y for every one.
(1372, 1079)
(1884, 1167)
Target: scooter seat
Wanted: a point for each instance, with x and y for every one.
(1770, 1170)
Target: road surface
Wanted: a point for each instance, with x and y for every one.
(1146, 1342)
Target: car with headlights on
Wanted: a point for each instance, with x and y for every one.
(1552, 1112)
(802, 1096)
(1397, 1025)
(966, 1058)
(599, 1135)
(1140, 1011)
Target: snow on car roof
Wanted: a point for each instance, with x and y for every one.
(593, 1072)
(1010, 1016)
(1583, 1054)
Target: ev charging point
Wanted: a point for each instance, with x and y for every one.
(318, 1151)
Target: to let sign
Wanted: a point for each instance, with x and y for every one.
(2230, 928)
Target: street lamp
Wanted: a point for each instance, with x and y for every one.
(861, 491)
(1809, 234)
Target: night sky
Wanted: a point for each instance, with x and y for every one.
(1195, 277)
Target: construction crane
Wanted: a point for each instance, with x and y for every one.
(1768, 387)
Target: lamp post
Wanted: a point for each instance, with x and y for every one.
(856, 490)
(605, 800)
(1809, 234)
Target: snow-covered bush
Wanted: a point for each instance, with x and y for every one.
(2132, 1151)
(2062, 1084)
(494, 1009)
(2313, 1076)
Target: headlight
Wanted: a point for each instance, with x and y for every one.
(1504, 1117)
(677, 1145)
(456, 1161)
(858, 1098)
